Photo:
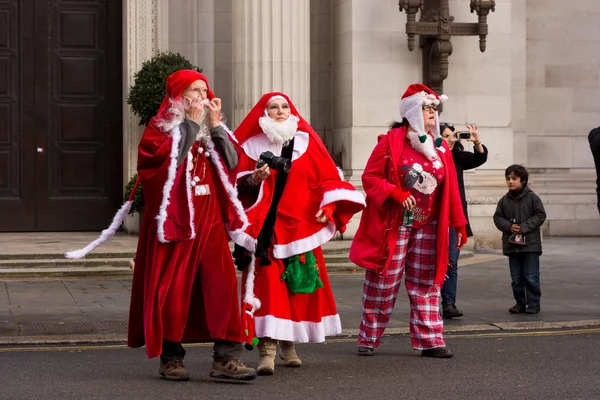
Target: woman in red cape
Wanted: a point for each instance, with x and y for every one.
(290, 217)
(184, 284)
(412, 201)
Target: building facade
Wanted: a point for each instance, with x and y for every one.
(345, 64)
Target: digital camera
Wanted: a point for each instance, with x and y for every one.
(463, 135)
(274, 162)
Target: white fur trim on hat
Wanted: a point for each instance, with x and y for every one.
(277, 96)
(411, 108)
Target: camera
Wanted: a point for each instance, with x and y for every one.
(274, 162)
(463, 135)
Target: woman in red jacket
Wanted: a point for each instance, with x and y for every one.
(412, 201)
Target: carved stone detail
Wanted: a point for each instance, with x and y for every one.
(435, 28)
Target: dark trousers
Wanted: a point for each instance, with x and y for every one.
(449, 287)
(525, 275)
(223, 350)
(594, 139)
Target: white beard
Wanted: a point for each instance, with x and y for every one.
(279, 132)
(427, 148)
(177, 110)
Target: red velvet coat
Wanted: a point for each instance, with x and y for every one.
(373, 243)
(184, 283)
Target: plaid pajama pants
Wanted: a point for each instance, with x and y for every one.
(415, 253)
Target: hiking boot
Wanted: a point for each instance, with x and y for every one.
(450, 311)
(232, 370)
(437, 352)
(532, 309)
(517, 309)
(266, 349)
(288, 354)
(365, 351)
(172, 369)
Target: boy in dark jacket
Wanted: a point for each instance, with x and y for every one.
(520, 214)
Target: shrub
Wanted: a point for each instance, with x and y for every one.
(148, 90)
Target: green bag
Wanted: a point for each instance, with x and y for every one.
(302, 274)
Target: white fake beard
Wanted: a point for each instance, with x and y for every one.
(177, 111)
(203, 134)
(427, 148)
(279, 132)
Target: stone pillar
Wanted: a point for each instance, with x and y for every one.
(271, 52)
(145, 33)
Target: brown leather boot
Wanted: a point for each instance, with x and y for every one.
(232, 369)
(267, 349)
(172, 369)
(288, 354)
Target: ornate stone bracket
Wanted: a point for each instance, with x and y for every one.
(435, 28)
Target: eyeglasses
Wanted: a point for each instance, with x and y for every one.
(429, 107)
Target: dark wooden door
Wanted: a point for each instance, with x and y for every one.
(61, 90)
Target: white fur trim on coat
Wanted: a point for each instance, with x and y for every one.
(105, 235)
(190, 196)
(342, 194)
(161, 218)
(300, 246)
(302, 332)
(231, 190)
(249, 296)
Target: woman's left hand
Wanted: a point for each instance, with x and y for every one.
(461, 237)
(321, 217)
(472, 128)
(325, 214)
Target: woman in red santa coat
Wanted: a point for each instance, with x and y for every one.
(412, 201)
(291, 214)
(184, 284)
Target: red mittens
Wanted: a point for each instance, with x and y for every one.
(462, 230)
(328, 211)
(399, 196)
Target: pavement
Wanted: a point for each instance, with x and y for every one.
(547, 365)
(94, 309)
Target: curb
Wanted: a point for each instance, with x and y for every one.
(120, 339)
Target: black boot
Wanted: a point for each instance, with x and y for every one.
(532, 309)
(517, 309)
(450, 311)
(437, 352)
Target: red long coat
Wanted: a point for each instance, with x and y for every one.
(373, 243)
(184, 282)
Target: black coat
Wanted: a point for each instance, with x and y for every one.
(464, 160)
(527, 209)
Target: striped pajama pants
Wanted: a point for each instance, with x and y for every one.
(414, 253)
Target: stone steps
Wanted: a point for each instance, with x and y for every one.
(117, 264)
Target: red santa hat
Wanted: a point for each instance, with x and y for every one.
(177, 82)
(416, 96)
(250, 126)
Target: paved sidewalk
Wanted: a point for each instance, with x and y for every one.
(95, 309)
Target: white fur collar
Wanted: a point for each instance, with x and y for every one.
(260, 143)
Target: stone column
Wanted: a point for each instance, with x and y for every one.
(271, 52)
(145, 33)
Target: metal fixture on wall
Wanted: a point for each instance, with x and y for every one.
(435, 29)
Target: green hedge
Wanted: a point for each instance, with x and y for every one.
(148, 90)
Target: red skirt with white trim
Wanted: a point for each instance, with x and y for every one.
(294, 317)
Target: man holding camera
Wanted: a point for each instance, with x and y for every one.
(295, 200)
(463, 160)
